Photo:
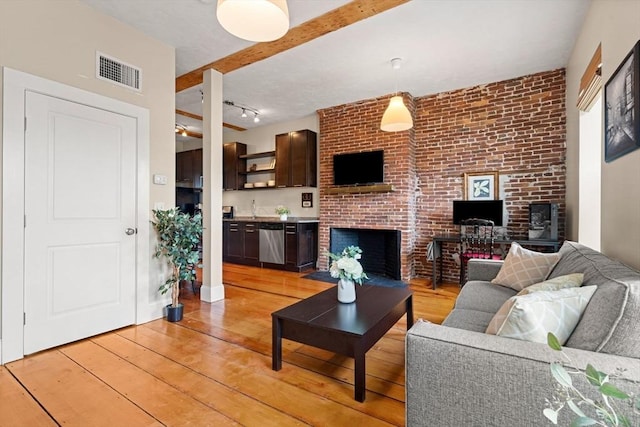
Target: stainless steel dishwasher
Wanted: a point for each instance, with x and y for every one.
(272, 242)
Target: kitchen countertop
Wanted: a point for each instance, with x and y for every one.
(291, 219)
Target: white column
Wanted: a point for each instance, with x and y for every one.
(212, 288)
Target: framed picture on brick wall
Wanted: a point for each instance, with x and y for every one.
(622, 108)
(481, 186)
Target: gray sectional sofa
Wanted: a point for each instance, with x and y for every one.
(456, 375)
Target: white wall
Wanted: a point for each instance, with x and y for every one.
(258, 140)
(615, 24)
(264, 139)
(590, 176)
(187, 144)
(58, 40)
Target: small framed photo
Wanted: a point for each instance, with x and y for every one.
(622, 108)
(481, 186)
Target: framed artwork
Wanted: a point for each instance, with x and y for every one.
(481, 186)
(622, 108)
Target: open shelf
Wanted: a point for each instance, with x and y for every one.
(271, 170)
(375, 188)
(258, 155)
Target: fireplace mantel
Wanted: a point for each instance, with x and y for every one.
(375, 188)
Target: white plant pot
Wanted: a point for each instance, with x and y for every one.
(283, 217)
(346, 291)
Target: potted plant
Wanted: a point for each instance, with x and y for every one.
(283, 211)
(178, 238)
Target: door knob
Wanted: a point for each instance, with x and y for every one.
(130, 231)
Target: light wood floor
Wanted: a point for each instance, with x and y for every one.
(214, 367)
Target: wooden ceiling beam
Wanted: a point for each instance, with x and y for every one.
(188, 114)
(334, 20)
(197, 117)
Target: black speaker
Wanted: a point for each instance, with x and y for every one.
(543, 221)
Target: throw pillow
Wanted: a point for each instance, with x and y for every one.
(561, 282)
(530, 317)
(523, 267)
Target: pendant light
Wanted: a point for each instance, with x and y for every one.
(254, 20)
(396, 117)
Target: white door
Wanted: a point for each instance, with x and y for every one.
(80, 198)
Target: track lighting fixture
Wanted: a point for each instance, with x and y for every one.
(245, 110)
(181, 129)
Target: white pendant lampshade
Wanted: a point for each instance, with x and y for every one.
(254, 20)
(397, 117)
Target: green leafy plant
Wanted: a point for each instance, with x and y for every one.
(282, 210)
(606, 409)
(346, 265)
(178, 238)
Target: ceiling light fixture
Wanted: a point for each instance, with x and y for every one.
(396, 117)
(244, 109)
(181, 129)
(254, 20)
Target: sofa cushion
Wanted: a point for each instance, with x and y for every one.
(523, 267)
(471, 320)
(561, 282)
(531, 317)
(610, 322)
(483, 296)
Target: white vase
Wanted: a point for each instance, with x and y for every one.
(346, 291)
(283, 217)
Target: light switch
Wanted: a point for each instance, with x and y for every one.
(158, 206)
(160, 179)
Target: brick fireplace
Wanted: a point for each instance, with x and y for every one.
(342, 131)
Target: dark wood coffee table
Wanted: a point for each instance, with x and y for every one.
(349, 329)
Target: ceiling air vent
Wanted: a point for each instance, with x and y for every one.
(118, 72)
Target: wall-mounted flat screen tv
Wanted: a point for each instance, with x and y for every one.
(483, 209)
(358, 168)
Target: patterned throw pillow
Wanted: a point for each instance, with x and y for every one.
(561, 282)
(523, 267)
(530, 317)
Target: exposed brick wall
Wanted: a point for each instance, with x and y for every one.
(516, 127)
(356, 128)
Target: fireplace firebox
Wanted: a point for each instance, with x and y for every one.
(380, 248)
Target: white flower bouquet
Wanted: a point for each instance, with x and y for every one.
(346, 265)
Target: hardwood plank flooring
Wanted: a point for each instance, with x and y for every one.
(214, 367)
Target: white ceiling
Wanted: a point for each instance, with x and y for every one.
(444, 45)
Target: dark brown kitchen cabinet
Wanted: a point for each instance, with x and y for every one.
(251, 243)
(233, 165)
(301, 248)
(240, 242)
(189, 169)
(296, 159)
(233, 242)
(198, 168)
